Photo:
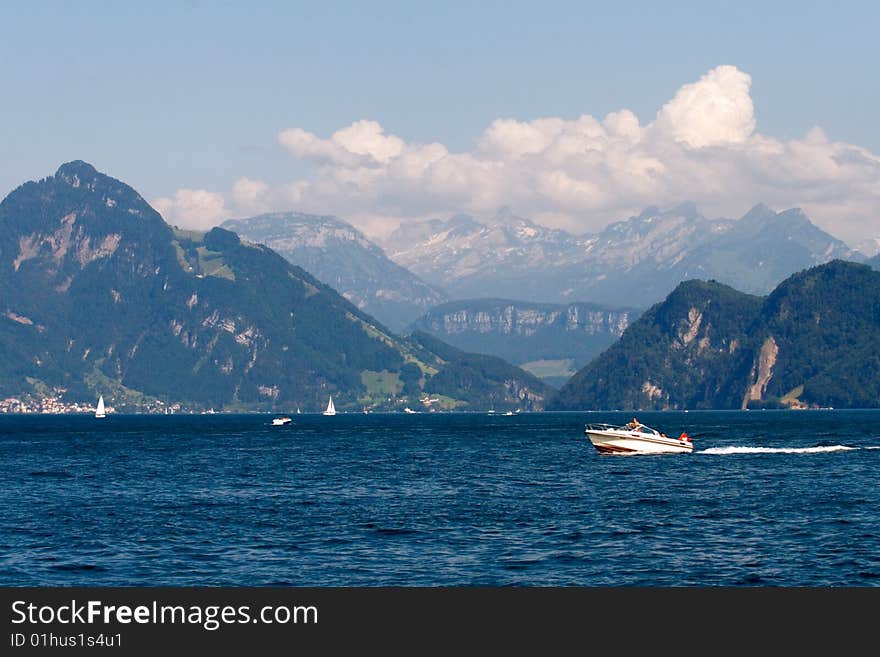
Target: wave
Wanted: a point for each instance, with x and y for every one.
(819, 449)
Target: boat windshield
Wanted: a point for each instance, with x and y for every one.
(641, 428)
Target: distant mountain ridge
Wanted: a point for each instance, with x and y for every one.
(98, 295)
(340, 255)
(508, 257)
(550, 340)
(811, 343)
(635, 262)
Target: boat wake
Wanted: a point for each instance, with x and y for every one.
(818, 449)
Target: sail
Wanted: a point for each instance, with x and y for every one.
(331, 409)
(99, 412)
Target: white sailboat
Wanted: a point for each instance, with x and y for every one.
(331, 409)
(99, 412)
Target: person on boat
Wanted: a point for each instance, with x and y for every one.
(634, 424)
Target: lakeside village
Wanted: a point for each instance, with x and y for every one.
(54, 405)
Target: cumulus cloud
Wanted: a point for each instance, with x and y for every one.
(363, 143)
(581, 173)
(192, 208)
(251, 195)
(715, 110)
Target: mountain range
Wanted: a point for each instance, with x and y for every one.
(337, 253)
(812, 342)
(635, 262)
(98, 295)
(550, 340)
(545, 321)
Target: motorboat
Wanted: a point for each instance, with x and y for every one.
(636, 438)
(279, 421)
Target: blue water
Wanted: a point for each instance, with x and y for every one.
(768, 498)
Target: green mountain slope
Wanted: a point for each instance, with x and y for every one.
(816, 341)
(101, 296)
(811, 343)
(675, 355)
(487, 380)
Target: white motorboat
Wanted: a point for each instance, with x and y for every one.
(279, 421)
(636, 438)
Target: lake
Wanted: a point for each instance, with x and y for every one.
(768, 498)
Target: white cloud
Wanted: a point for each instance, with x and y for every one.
(192, 208)
(715, 110)
(368, 138)
(251, 196)
(304, 145)
(363, 143)
(581, 173)
(510, 138)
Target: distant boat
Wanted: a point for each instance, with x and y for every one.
(331, 409)
(278, 421)
(99, 412)
(409, 410)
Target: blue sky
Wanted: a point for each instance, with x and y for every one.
(194, 96)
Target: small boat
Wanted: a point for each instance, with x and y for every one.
(636, 438)
(99, 412)
(509, 413)
(331, 409)
(279, 421)
(409, 410)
